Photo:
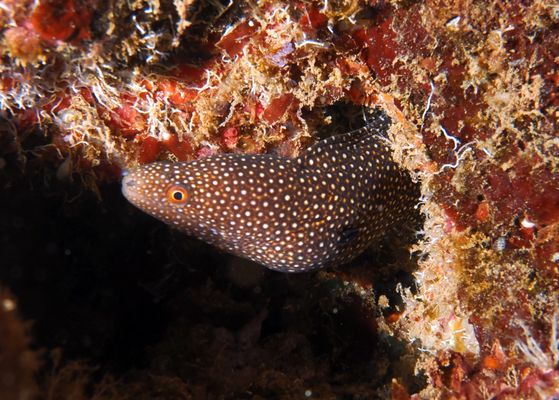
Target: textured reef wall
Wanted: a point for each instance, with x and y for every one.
(466, 308)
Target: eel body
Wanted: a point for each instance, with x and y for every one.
(289, 214)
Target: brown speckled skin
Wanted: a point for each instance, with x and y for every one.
(321, 208)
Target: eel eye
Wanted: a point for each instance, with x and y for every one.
(177, 195)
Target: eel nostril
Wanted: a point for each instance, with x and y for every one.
(130, 182)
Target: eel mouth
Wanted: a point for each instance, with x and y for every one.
(129, 186)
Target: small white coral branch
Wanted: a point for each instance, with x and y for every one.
(428, 106)
(533, 351)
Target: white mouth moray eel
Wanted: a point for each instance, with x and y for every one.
(322, 208)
